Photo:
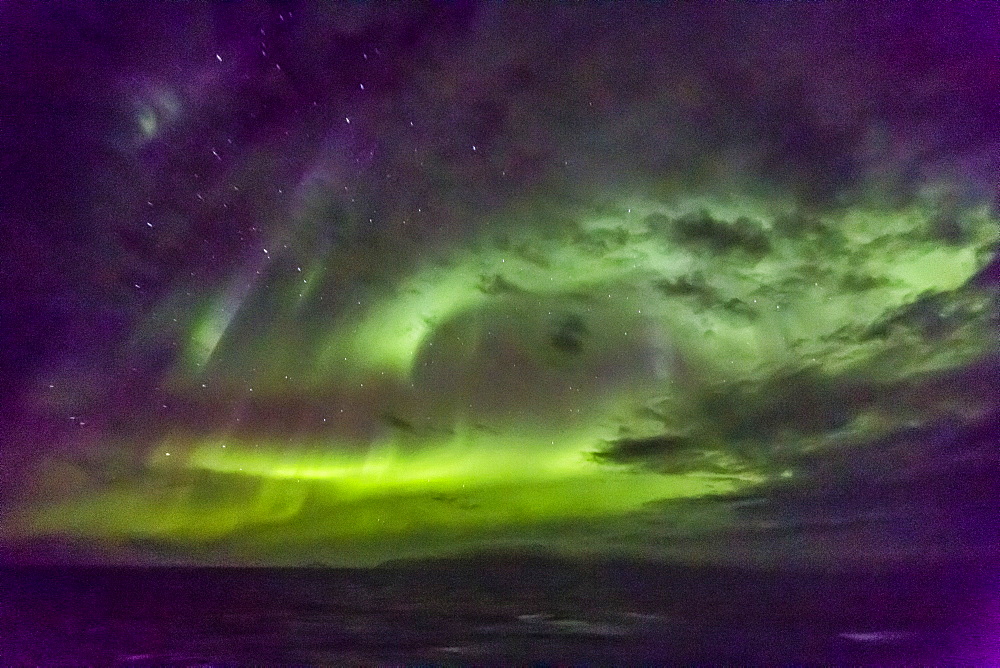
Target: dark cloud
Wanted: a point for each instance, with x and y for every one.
(703, 230)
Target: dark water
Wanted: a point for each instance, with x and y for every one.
(498, 611)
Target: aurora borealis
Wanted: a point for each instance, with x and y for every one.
(342, 284)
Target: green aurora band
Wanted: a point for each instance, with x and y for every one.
(476, 396)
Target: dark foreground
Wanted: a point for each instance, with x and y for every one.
(497, 611)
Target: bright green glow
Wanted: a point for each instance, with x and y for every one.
(796, 291)
(471, 457)
(936, 269)
(795, 298)
(280, 516)
(809, 301)
(385, 466)
(374, 496)
(387, 336)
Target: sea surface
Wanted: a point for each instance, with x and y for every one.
(492, 611)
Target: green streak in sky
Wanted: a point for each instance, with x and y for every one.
(380, 495)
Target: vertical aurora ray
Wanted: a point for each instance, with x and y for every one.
(211, 325)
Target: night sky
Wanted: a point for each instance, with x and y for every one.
(299, 283)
